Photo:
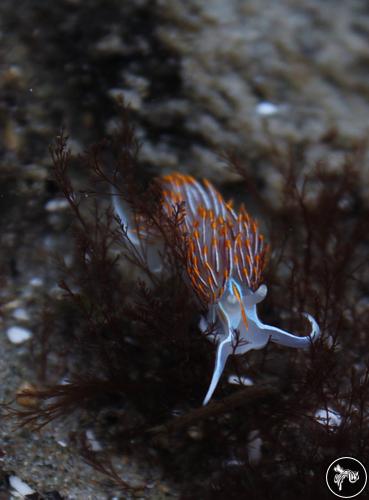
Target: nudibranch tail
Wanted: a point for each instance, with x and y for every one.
(223, 351)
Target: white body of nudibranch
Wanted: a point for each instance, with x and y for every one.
(225, 259)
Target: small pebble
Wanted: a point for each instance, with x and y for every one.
(21, 314)
(110, 44)
(254, 447)
(20, 486)
(56, 205)
(164, 488)
(12, 75)
(195, 433)
(36, 282)
(11, 135)
(13, 304)
(18, 334)
(92, 441)
(234, 463)
(328, 416)
(234, 379)
(64, 381)
(26, 400)
(266, 109)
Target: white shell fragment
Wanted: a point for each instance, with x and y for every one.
(266, 109)
(18, 334)
(21, 489)
(242, 380)
(36, 282)
(327, 416)
(56, 205)
(92, 441)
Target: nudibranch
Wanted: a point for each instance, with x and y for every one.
(226, 256)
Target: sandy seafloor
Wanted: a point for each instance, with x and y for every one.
(201, 77)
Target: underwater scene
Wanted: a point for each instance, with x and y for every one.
(184, 278)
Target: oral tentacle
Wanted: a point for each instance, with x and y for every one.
(282, 337)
